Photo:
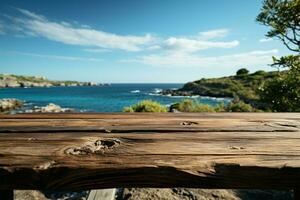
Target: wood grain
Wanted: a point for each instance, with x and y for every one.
(93, 151)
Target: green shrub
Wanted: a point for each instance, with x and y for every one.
(239, 106)
(242, 71)
(188, 105)
(260, 73)
(282, 93)
(146, 106)
(235, 105)
(220, 107)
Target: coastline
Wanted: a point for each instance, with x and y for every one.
(16, 81)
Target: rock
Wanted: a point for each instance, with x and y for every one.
(12, 84)
(170, 92)
(91, 84)
(173, 110)
(10, 104)
(50, 108)
(26, 84)
(45, 84)
(2, 84)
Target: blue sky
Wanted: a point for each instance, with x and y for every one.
(136, 41)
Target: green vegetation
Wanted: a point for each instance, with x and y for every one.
(194, 106)
(283, 18)
(242, 71)
(269, 91)
(239, 106)
(35, 79)
(146, 106)
(245, 86)
(188, 105)
(283, 92)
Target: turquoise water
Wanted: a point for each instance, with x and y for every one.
(98, 99)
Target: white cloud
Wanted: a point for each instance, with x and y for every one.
(34, 25)
(66, 33)
(211, 34)
(202, 41)
(193, 45)
(182, 59)
(32, 15)
(70, 58)
(266, 40)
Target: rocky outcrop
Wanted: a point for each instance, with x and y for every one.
(10, 104)
(9, 81)
(170, 92)
(50, 108)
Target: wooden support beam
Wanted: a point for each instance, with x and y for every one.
(94, 151)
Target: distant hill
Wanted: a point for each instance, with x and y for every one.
(9, 80)
(245, 86)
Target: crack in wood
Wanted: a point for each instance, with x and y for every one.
(288, 125)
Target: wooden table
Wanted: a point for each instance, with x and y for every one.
(93, 151)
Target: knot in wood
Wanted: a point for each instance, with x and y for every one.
(236, 148)
(97, 147)
(107, 143)
(188, 123)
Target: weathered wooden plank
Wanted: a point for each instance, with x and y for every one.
(146, 123)
(85, 160)
(152, 115)
(206, 157)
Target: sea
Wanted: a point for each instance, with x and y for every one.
(112, 98)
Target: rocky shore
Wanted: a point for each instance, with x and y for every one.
(7, 105)
(171, 92)
(50, 108)
(14, 81)
(17, 106)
